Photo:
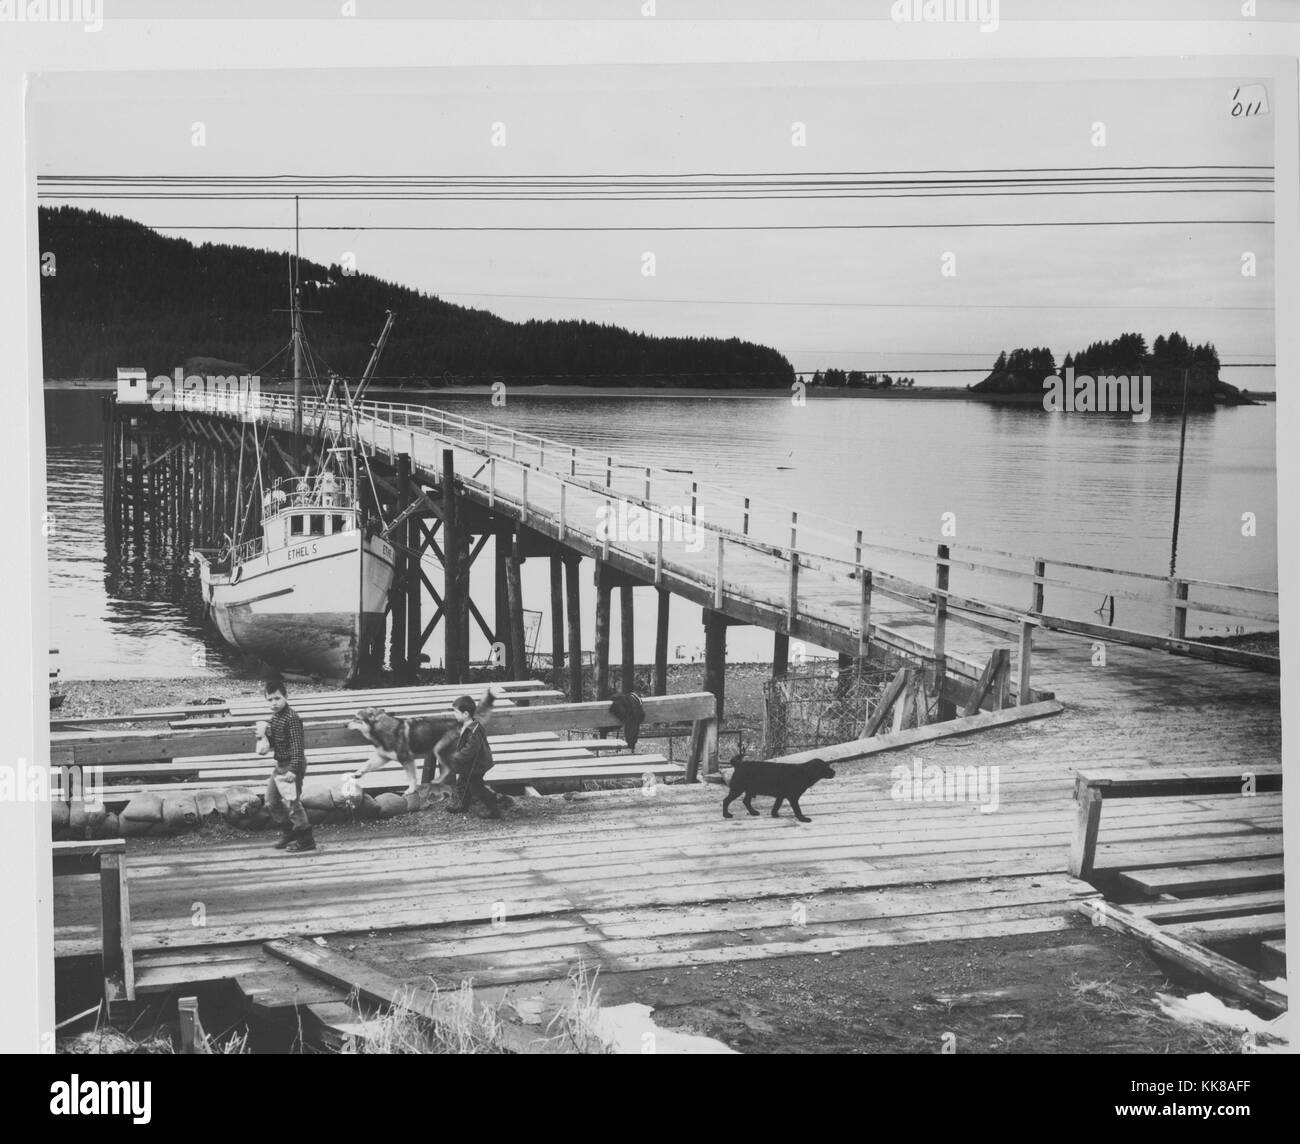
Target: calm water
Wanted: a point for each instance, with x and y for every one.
(1097, 489)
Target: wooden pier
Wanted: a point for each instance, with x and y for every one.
(622, 881)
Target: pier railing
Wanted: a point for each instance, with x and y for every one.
(787, 560)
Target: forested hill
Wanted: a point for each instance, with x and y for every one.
(1023, 370)
(123, 295)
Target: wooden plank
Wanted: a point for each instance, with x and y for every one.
(1273, 954)
(1170, 781)
(886, 702)
(1208, 878)
(144, 747)
(1213, 652)
(1083, 846)
(192, 1037)
(1228, 975)
(931, 732)
(379, 988)
(1222, 905)
(1261, 925)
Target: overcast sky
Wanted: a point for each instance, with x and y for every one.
(871, 298)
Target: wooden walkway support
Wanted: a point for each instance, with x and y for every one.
(107, 858)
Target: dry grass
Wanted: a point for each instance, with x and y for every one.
(1141, 1013)
(470, 1027)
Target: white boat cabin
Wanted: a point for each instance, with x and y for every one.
(299, 508)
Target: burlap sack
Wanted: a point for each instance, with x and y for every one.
(390, 804)
(95, 813)
(241, 804)
(132, 828)
(58, 815)
(180, 813)
(144, 808)
(103, 827)
(318, 800)
(77, 816)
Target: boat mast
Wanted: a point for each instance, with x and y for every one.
(297, 336)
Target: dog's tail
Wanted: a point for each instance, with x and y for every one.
(484, 709)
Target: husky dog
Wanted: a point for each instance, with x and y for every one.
(396, 737)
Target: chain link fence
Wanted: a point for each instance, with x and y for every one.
(815, 704)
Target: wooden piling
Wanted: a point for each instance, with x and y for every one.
(515, 597)
(715, 656)
(452, 596)
(572, 566)
(603, 587)
(661, 642)
(946, 709)
(401, 571)
(557, 621)
(627, 679)
(780, 655)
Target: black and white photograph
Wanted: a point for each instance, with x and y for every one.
(612, 555)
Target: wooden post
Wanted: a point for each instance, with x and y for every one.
(717, 578)
(603, 587)
(515, 594)
(452, 598)
(571, 567)
(187, 1011)
(715, 657)
(1026, 660)
(844, 674)
(864, 612)
(557, 621)
(115, 909)
(1083, 847)
(401, 571)
(1180, 613)
(792, 602)
(946, 709)
(627, 679)
(780, 655)
(1040, 570)
(501, 617)
(745, 523)
(661, 643)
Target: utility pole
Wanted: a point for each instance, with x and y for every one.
(1178, 487)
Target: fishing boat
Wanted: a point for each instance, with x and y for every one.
(308, 592)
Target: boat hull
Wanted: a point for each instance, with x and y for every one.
(316, 607)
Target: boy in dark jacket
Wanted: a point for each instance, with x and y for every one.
(283, 735)
(470, 761)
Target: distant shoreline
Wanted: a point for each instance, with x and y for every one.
(916, 393)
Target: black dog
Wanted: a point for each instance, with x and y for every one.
(786, 781)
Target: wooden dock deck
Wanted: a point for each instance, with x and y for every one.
(620, 881)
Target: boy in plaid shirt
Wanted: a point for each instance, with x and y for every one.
(283, 734)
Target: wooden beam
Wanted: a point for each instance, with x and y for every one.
(661, 641)
(402, 564)
(627, 635)
(371, 985)
(603, 587)
(1083, 847)
(780, 654)
(557, 619)
(931, 732)
(715, 658)
(999, 661)
(452, 589)
(886, 702)
(192, 1035)
(1229, 975)
(573, 603)
(515, 597)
